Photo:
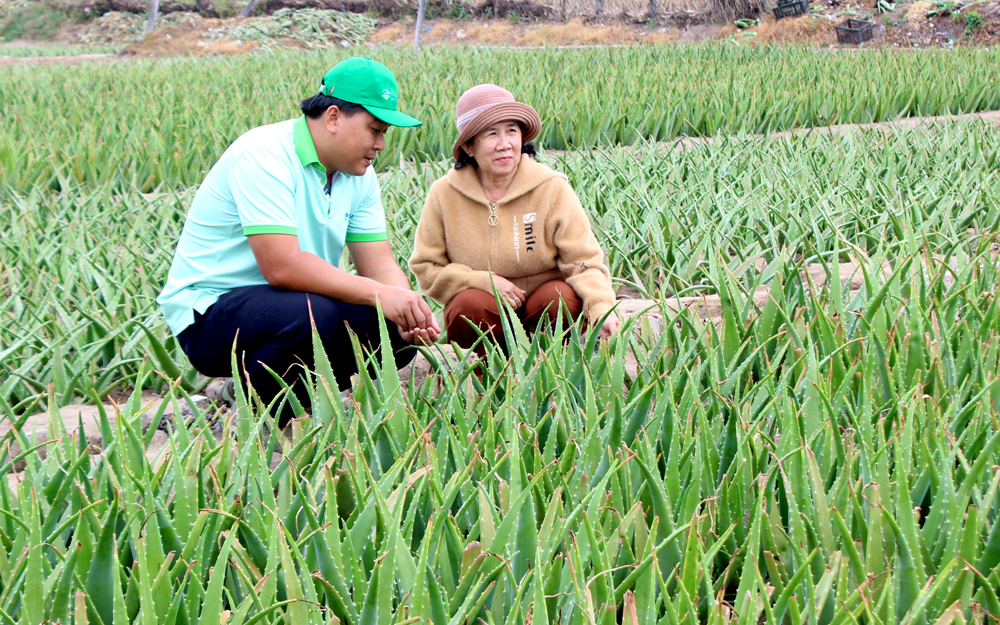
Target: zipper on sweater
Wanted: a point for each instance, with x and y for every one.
(493, 220)
(493, 242)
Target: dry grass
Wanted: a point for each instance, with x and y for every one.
(918, 9)
(807, 29)
(196, 39)
(575, 32)
(632, 8)
(192, 39)
(729, 10)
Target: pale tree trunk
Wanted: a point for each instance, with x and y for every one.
(563, 10)
(421, 9)
(154, 13)
(652, 9)
(600, 7)
(248, 9)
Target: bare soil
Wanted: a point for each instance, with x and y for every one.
(575, 32)
(189, 38)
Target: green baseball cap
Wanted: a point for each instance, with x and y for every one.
(370, 84)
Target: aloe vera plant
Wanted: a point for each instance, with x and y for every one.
(79, 305)
(818, 446)
(798, 467)
(172, 119)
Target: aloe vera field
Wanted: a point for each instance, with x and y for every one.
(796, 424)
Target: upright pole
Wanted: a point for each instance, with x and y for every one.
(154, 13)
(248, 9)
(421, 9)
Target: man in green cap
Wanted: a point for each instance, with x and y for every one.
(258, 257)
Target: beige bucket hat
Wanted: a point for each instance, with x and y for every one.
(484, 105)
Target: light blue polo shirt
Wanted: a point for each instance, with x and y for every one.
(269, 181)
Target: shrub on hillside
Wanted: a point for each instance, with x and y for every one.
(39, 21)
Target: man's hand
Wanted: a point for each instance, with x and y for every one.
(406, 309)
(611, 325)
(509, 291)
(419, 336)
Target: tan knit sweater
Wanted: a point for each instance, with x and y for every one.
(543, 234)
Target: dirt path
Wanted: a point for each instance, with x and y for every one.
(907, 123)
(68, 60)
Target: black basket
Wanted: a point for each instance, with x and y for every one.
(854, 32)
(789, 9)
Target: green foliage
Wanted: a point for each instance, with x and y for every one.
(310, 28)
(172, 119)
(944, 7)
(767, 466)
(226, 8)
(81, 274)
(458, 12)
(826, 454)
(883, 6)
(38, 21)
(657, 212)
(973, 21)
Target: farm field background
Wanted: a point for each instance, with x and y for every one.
(825, 455)
(137, 125)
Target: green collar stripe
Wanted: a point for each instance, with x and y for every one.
(304, 147)
(366, 236)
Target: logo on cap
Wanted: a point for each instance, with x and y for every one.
(386, 94)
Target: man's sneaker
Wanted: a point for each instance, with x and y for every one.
(228, 393)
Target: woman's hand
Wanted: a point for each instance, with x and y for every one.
(509, 291)
(609, 327)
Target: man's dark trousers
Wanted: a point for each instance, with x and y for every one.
(272, 327)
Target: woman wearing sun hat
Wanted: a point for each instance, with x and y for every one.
(500, 219)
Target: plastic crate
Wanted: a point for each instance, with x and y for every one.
(789, 9)
(854, 32)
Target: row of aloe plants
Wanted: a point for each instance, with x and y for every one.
(81, 269)
(827, 457)
(161, 124)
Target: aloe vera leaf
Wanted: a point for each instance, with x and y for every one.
(33, 598)
(58, 601)
(990, 557)
(147, 607)
(298, 612)
(102, 577)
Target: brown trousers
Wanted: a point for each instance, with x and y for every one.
(480, 307)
